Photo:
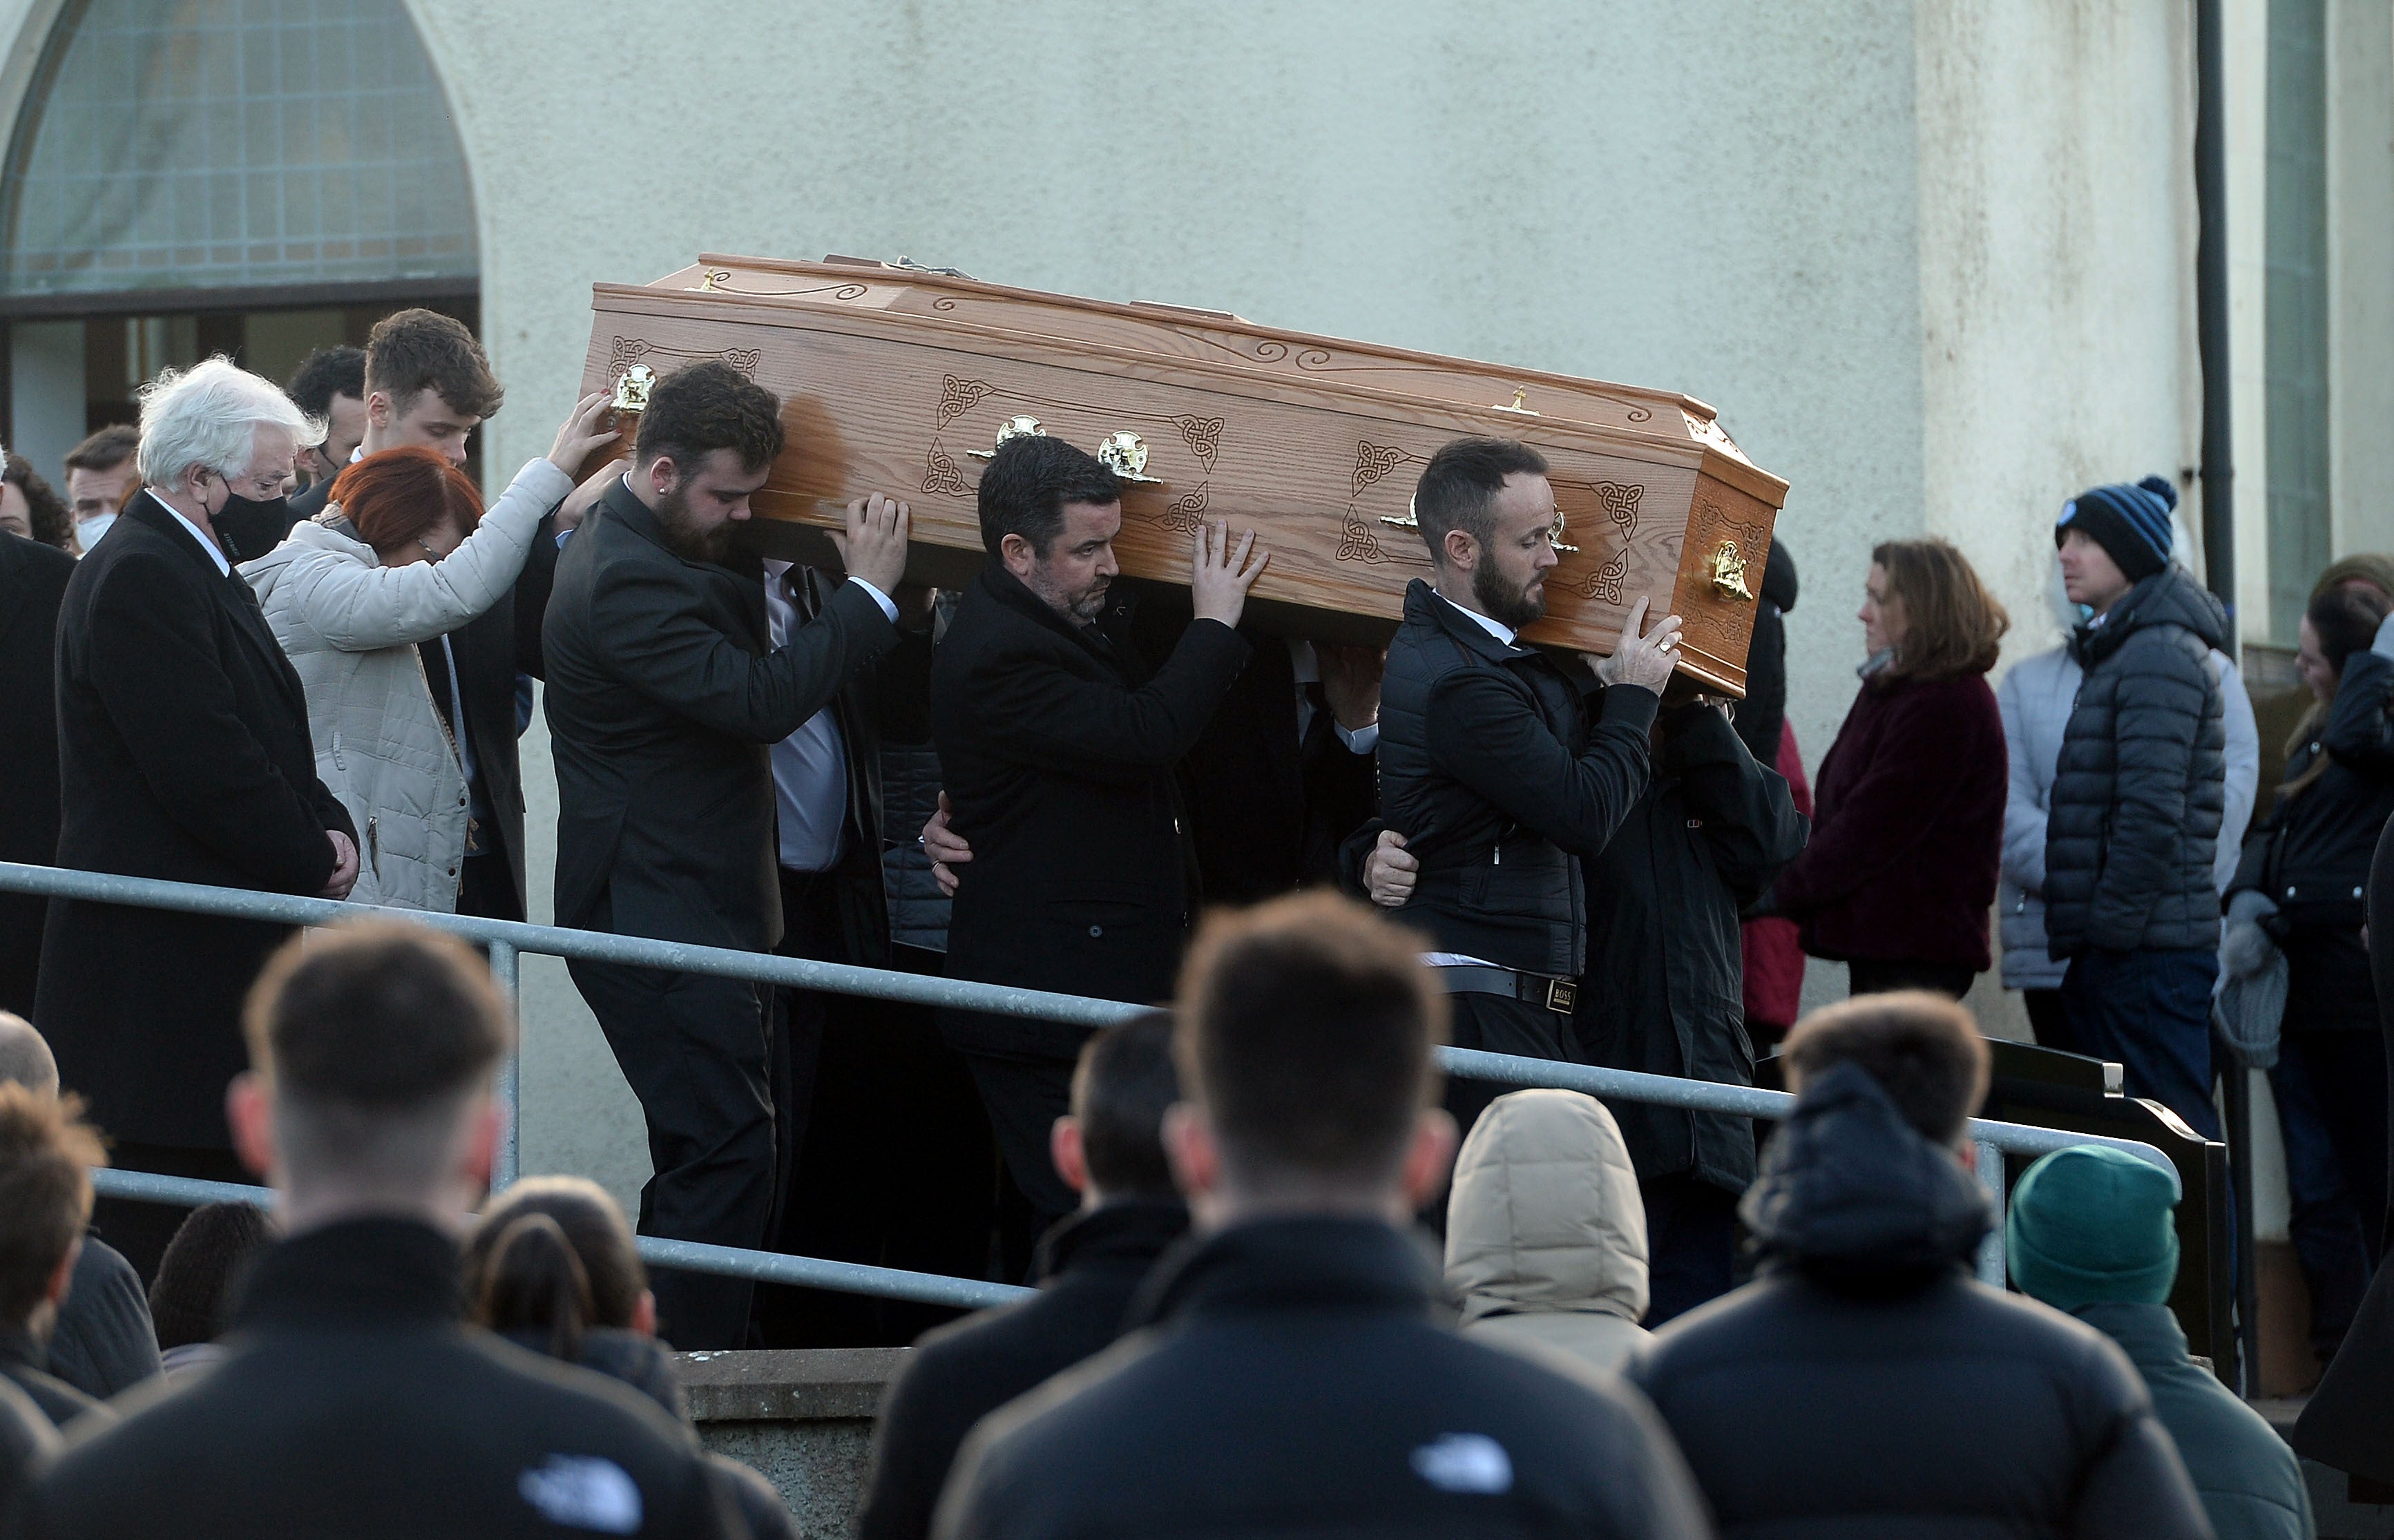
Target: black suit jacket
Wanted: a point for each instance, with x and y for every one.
(183, 754)
(1268, 806)
(492, 649)
(33, 582)
(354, 1402)
(662, 701)
(1059, 753)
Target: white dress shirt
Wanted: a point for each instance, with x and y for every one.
(207, 541)
(810, 765)
(1306, 663)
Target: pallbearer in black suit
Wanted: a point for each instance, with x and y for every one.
(1059, 752)
(664, 692)
(183, 754)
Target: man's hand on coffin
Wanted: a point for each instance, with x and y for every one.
(1645, 662)
(876, 547)
(1350, 682)
(945, 847)
(1389, 871)
(580, 434)
(1219, 576)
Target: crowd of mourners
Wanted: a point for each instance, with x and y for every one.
(1319, 861)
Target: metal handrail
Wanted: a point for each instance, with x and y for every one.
(508, 939)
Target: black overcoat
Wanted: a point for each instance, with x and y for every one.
(1059, 752)
(33, 582)
(663, 700)
(1665, 988)
(183, 754)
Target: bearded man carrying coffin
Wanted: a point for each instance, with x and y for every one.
(1058, 751)
(1499, 774)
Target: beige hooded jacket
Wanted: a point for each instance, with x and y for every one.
(1545, 1234)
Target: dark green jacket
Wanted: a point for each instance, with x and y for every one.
(2249, 1480)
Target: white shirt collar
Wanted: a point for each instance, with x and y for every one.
(1498, 629)
(215, 552)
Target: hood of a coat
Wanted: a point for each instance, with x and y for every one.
(1854, 1197)
(1545, 1214)
(2170, 597)
(310, 544)
(1779, 579)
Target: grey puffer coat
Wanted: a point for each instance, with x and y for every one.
(2137, 798)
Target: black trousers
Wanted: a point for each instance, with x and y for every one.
(1871, 975)
(1493, 1023)
(696, 1052)
(140, 1231)
(1023, 1097)
(1690, 1244)
(2047, 1021)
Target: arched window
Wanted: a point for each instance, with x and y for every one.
(256, 178)
(171, 144)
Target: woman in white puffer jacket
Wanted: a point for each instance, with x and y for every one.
(401, 554)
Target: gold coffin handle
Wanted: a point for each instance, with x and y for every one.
(1013, 428)
(1125, 453)
(1409, 521)
(1728, 571)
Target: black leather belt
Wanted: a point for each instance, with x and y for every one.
(1557, 994)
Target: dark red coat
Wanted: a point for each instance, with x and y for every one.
(1907, 832)
(1774, 947)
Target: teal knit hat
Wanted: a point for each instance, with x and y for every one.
(2091, 1223)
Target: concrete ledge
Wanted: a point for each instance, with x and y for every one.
(802, 1417)
(794, 1385)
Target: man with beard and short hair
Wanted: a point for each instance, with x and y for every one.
(1058, 748)
(330, 384)
(664, 697)
(1499, 775)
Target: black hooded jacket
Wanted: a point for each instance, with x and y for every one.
(1294, 1383)
(1865, 1385)
(1763, 714)
(2142, 780)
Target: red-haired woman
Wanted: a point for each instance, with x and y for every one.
(1898, 880)
(402, 554)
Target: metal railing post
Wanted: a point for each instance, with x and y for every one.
(1989, 1168)
(505, 967)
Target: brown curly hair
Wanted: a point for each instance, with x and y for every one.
(53, 523)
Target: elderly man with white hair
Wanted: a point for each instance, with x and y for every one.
(184, 754)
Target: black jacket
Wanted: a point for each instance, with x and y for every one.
(491, 650)
(2311, 855)
(1090, 1266)
(1865, 1384)
(33, 582)
(183, 754)
(28, 1442)
(2137, 799)
(1293, 1382)
(1059, 752)
(104, 1341)
(1489, 769)
(1268, 806)
(352, 1402)
(663, 702)
(23, 1364)
(1665, 988)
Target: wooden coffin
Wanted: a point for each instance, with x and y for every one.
(901, 380)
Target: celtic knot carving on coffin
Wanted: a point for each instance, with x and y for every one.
(1712, 626)
(1621, 503)
(1203, 436)
(629, 351)
(1184, 513)
(940, 473)
(1356, 541)
(1605, 583)
(1373, 463)
(960, 395)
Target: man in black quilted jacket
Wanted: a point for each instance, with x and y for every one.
(2136, 800)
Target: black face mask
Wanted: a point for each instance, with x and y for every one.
(252, 527)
